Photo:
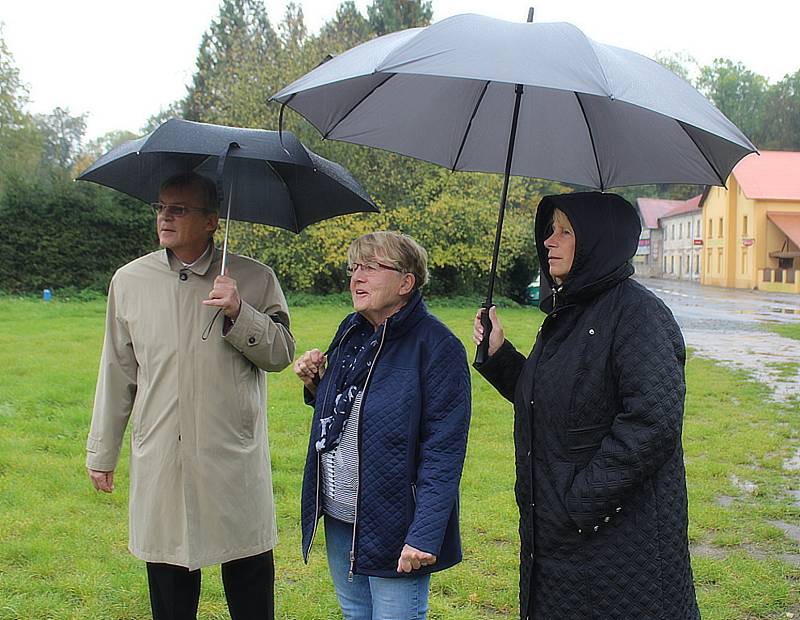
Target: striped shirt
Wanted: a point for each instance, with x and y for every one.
(340, 471)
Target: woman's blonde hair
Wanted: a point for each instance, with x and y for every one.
(401, 250)
(560, 218)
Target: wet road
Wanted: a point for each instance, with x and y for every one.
(731, 326)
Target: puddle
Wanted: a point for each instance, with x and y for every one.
(792, 531)
(751, 488)
(770, 358)
(793, 463)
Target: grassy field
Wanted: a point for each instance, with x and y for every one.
(63, 547)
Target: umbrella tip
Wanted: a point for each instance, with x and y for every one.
(530, 14)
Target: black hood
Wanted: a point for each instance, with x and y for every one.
(607, 231)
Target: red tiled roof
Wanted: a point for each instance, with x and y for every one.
(772, 175)
(685, 206)
(652, 209)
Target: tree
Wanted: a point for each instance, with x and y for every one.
(63, 137)
(391, 15)
(235, 57)
(682, 64)
(740, 94)
(347, 29)
(19, 141)
(782, 131)
(13, 93)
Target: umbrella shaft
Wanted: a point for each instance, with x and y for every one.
(504, 195)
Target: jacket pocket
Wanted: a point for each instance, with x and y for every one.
(585, 439)
(249, 396)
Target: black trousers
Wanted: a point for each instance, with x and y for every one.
(248, 582)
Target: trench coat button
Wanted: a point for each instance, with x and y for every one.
(591, 332)
(596, 528)
(580, 531)
(606, 519)
(618, 509)
(532, 404)
(183, 276)
(251, 340)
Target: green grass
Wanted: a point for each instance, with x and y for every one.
(789, 330)
(63, 547)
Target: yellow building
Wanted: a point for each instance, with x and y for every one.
(751, 230)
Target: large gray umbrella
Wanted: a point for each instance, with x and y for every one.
(456, 93)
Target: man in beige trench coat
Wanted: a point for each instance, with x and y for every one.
(200, 479)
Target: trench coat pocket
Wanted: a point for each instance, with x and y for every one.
(249, 394)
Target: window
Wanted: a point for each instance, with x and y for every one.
(744, 226)
(672, 231)
(697, 264)
(688, 261)
(710, 228)
(719, 260)
(744, 258)
(672, 264)
(665, 264)
(708, 260)
(719, 229)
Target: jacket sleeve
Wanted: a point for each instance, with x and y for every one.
(262, 333)
(648, 359)
(503, 369)
(115, 392)
(446, 406)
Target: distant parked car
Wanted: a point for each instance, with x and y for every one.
(531, 294)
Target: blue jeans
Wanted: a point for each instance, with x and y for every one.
(371, 598)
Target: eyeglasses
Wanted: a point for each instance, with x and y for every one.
(370, 268)
(172, 210)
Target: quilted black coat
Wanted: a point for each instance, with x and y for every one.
(598, 409)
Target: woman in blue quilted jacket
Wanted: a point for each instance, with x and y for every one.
(598, 405)
(391, 398)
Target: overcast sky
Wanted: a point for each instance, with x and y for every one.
(121, 62)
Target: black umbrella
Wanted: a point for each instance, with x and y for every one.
(264, 178)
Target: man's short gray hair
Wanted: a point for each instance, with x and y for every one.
(398, 248)
(205, 187)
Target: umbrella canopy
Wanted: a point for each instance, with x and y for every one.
(590, 114)
(458, 92)
(266, 178)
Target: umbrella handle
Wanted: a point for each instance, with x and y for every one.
(482, 352)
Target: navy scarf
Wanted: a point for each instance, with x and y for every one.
(356, 353)
(355, 357)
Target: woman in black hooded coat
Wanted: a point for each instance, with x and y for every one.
(598, 404)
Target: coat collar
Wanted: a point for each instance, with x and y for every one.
(200, 268)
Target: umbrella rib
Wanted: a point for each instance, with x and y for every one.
(700, 149)
(358, 103)
(591, 138)
(469, 126)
